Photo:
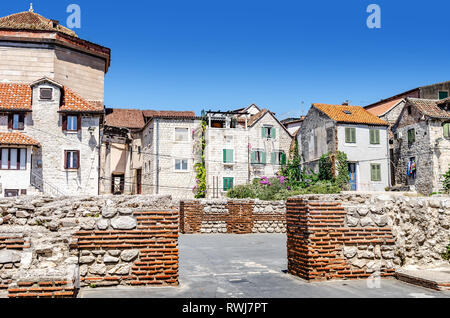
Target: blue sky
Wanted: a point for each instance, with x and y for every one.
(217, 54)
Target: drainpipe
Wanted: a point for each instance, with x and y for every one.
(389, 159)
(157, 155)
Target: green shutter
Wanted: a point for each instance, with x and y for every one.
(443, 95)
(228, 155)
(375, 172)
(372, 135)
(227, 183)
(263, 161)
(353, 138)
(224, 155)
(350, 135)
(273, 158)
(375, 136)
(273, 133)
(347, 135)
(263, 132)
(283, 159)
(253, 157)
(411, 135)
(447, 130)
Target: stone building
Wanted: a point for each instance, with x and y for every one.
(389, 109)
(149, 152)
(354, 131)
(293, 124)
(422, 144)
(51, 107)
(64, 132)
(242, 145)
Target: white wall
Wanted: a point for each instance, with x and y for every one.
(16, 179)
(365, 154)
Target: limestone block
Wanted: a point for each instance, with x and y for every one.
(102, 224)
(87, 224)
(9, 256)
(110, 259)
(124, 223)
(129, 255)
(352, 221)
(350, 251)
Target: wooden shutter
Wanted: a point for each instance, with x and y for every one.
(377, 136)
(273, 158)
(225, 183)
(78, 122)
(263, 160)
(447, 130)
(64, 122)
(65, 159)
(224, 153)
(78, 159)
(353, 135)
(283, 158)
(372, 136)
(347, 135)
(263, 132)
(273, 133)
(253, 157)
(10, 121)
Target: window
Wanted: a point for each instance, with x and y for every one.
(268, 132)
(350, 135)
(227, 183)
(11, 193)
(258, 157)
(374, 136)
(228, 156)
(411, 135)
(16, 121)
(409, 110)
(329, 135)
(375, 172)
(278, 158)
(181, 134)
(72, 159)
(443, 94)
(446, 128)
(181, 164)
(46, 93)
(13, 159)
(71, 122)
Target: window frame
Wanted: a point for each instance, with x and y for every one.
(226, 181)
(349, 135)
(411, 135)
(439, 95)
(181, 165)
(263, 158)
(18, 166)
(269, 132)
(65, 120)
(278, 158)
(184, 129)
(225, 151)
(377, 170)
(66, 161)
(20, 120)
(41, 96)
(374, 136)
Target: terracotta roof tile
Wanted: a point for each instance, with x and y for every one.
(430, 107)
(256, 117)
(32, 21)
(74, 103)
(350, 114)
(168, 114)
(15, 97)
(15, 138)
(383, 108)
(124, 118)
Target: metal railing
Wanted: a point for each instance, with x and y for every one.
(38, 182)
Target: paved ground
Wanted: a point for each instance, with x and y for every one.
(251, 266)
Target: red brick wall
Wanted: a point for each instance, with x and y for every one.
(44, 289)
(317, 235)
(240, 217)
(156, 239)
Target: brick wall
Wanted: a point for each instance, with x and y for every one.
(147, 255)
(232, 216)
(322, 244)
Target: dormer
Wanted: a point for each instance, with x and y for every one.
(46, 90)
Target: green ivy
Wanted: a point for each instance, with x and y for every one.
(446, 254)
(446, 181)
(200, 167)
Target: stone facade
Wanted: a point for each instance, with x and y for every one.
(242, 139)
(319, 134)
(429, 150)
(49, 247)
(45, 170)
(232, 216)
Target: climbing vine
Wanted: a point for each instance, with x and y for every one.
(446, 182)
(334, 167)
(200, 167)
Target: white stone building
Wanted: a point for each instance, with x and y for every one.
(243, 145)
(363, 137)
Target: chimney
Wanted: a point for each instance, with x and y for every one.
(345, 103)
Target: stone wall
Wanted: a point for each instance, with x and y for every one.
(49, 247)
(232, 216)
(327, 241)
(420, 225)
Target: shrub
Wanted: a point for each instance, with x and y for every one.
(446, 254)
(446, 182)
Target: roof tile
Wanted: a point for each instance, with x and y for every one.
(15, 138)
(15, 97)
(350, 114)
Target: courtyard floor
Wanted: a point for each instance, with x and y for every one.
(252, 266)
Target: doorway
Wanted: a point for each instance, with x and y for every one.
(118, 184)
(352, 176)
(139, 181)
